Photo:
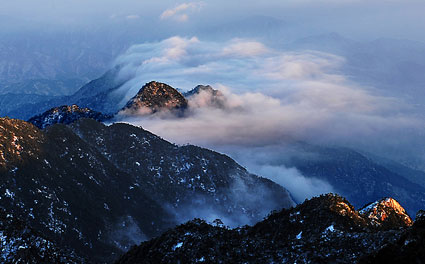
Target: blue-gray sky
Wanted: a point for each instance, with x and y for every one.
(357, 19)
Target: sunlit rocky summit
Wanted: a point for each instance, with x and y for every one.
(386, 212)
(153, 97)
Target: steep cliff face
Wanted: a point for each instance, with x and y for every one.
(325, 229)
(154, 97)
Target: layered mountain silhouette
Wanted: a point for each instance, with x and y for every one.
(98, 95)
(95, 190)
(100, 189)
(355, 175)
(325, 229)
(151, 98)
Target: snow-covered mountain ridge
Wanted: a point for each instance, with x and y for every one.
(100, 189)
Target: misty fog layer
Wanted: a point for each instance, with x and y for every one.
(273, 98)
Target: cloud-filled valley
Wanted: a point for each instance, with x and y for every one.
(122, 122)
(272, 98)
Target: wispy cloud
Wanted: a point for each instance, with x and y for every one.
(272, 97)
(181, 12)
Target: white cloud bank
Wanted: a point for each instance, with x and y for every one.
(273, 97)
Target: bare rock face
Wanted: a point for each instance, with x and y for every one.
(386, 212)
(154, 97)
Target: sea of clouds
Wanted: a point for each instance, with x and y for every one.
(272, 98)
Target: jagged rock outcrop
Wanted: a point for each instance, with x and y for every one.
(66, 114)
(386, 212)
(325, 229)
(154, 97)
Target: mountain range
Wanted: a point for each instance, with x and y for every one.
(133, 186)
(358, 176)
(100, 189)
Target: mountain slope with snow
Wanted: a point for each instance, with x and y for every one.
(100, 189)
(325, 229)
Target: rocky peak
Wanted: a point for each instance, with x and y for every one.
(331, 212)
(328, 211)
(154, 97)
(408, 248)
(65, 114)
(202, 88)
(386, 212)
(205, 95)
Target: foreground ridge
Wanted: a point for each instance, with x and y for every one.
(321, 230)
(409, 248)
(101, 189)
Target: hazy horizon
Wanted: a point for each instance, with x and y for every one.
(356, 19)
